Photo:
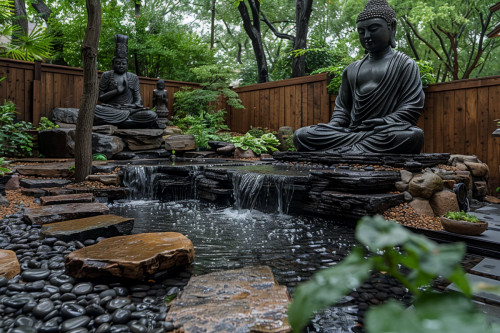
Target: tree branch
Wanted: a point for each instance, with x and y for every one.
(275, 32)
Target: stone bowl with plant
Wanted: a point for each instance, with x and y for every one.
(463, 223)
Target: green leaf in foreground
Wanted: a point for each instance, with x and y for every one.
(432, 312)
(327, 287)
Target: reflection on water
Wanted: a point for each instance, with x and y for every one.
(224, 238)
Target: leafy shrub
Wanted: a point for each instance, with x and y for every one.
(258, 131)
(289, 143)
(462, 216)
(99, 157)
(14, 140)
(45, 124)
(266, 143)
(427, 260)
(3, 169)
(426, 72)
(204, 127)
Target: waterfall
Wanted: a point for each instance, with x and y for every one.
(271, 193)
(140, 180)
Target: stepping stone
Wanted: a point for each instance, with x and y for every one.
(483, 295)
(89, 228)
(66, 199)
(41, 183)
(488, 266)
(112, 179)
(240, 300)
(111, 193)
(57, 213)
(134, 257)
(9, 266)
(46, 170)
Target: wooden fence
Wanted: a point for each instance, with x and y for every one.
(37, 88)
(458, 116)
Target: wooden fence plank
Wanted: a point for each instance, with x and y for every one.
(317, 102)
(483, 105)
(459, 122)
(493, 143)
(297, 121)
(304, 104)
(471, 123)
(281, 121)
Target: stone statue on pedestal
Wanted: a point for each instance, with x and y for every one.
(380, 98)
(120, 95)
(160, 101)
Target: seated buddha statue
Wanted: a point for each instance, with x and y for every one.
(120, 95)
(380, 97)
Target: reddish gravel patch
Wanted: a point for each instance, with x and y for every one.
(407, 216)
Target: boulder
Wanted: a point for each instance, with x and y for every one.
(480, 189)
(109, 179)
(180, 143)
(57, 213)
(478, 169)
(401, 186)
(9, 266)
(4, 201)
(227, 149)
(240, 153)
(57, 142)
(422, 206)
(89, 228)
(171, 130)
(459, 158)
(284, 133)
(135, 257)
(141, 139)
(241, 300)
(425, 185)
(66, 199)
(64, 115)
(107, 145)
(406, 176)
(13, 183)
(443, 202)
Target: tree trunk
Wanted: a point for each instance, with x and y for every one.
(212, 25)
(42, 9)
(302, 14)
(21, 18)
(253, 31)
(83, 135)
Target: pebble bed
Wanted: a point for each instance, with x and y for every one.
(407, 216)
(43, 299)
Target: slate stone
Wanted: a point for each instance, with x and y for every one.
(104, 129)
(110, 179)
(9, 265)
(490, 297)
(56, 213)
(220, 300)
(66, 199)
(42, 183)
(135, 256)
(488, 266)
(142, 139)
(106, 144)
(354, 181)
(33, 192)
(180, 143)
(89, 228)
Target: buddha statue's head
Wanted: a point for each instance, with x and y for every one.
(376, 26)
(120, 60)
(160, 84)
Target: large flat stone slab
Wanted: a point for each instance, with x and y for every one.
(46, 170)
(42, 183)
(66, 199)
(394, 160)
(355, 181)
(57, 213)
(89, 228)
(142, 139)
(9, 266)
(180, 143)
(134, 257)
(488, 266)
(240, 300)
(486, 296)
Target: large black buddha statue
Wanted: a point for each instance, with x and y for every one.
(380, 98)
(120, 95)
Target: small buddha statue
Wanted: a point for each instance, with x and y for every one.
(380, 97)
(120, 95)
(160, 101)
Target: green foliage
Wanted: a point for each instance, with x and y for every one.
(289, 143)
(426, 260)
(45, 124)
(426, 72)
(266, 143)
(3, 169)
(99, 157)
(14, 138)
(258, 131)
(462, 216)
(169, 298)
(35, 45)
(71, 169)
(204, 127)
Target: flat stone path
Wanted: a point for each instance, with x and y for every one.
(240, 300)
(89, 228)
(66, 199)
(47, 170)
(57, 213)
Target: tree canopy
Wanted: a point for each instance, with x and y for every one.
(260, 39)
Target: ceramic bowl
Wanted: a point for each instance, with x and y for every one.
(464, 227)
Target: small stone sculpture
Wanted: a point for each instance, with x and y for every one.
(160, 101)
(119, 91)
(380, 98)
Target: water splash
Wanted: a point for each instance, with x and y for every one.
(140, 180)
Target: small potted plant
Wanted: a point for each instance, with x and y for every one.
(463, 223)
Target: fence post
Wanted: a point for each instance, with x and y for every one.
(37, 85)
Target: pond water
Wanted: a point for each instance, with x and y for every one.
(225, 238)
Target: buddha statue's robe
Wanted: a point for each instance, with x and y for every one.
(398, 100)
(123, 110)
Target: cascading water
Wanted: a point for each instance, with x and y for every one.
(272, 193)
(140, 180)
